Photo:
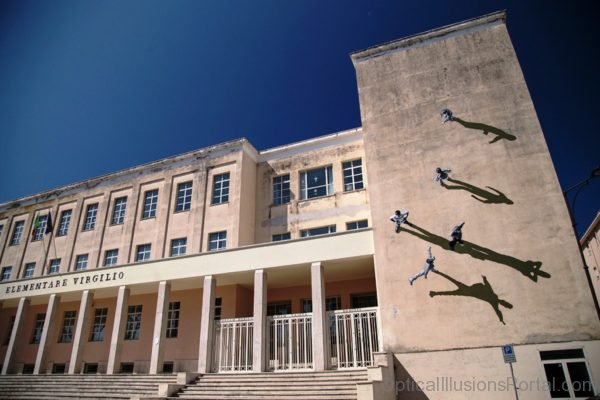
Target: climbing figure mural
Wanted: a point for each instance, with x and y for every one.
(429, 266)
(456, 236)
(441, 175)
(446, 115)
(399, 218)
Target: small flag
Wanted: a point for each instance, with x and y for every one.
(36, 224)
(49, 226)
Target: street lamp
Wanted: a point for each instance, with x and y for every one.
(594, 174)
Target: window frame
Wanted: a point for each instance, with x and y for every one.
(119, 210)
(366, 223)
(304, 233)
(38, 328)
(79, 260)
(134, 322)
(5, 273)
(563, 362)
(143, 250)
(17, 234)
(114, 255)
(91, 214)
(29, 270)
(221, 187)
(349, 172)
(38, 233)
(51, 265)
(173, 314)
(98, 324)
(184, 196)
(150, 204)
(178, 246)
(221, 237)
(67, 331)
(282, 193)
(65, 221)
(328, 185)
(280, 237)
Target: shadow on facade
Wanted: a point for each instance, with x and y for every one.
(482, 195)
(530, 269)
(485, 129)
(406, 387)
(482, 291)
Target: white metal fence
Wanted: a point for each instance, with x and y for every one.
(290, 342)
(354, 336)
(232, 350)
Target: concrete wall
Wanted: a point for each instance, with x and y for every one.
(520, 263)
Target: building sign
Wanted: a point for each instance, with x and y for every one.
(508, 352)
(72, 282)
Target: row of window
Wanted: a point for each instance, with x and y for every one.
(216, 241)
(318, 182)
(184, 200)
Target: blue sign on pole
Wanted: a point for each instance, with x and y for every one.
(508, 352)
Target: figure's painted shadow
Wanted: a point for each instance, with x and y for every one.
(485, 129)
(530, 269)
(482, 195)
(482, 291)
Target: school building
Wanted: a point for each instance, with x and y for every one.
(232, 259)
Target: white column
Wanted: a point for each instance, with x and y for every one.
(207, 325)
(85, 310)
(259, 345)
(48, 325)
(114, 354)
(319, 323)
(160, 322)
(16, 333)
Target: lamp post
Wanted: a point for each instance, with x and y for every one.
(578, 186)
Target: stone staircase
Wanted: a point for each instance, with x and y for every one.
(328, 385)
(89, 387)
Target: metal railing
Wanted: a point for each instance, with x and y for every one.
(354, 336)
(290, 342)
(233, 345)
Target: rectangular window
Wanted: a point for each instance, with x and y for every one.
(173, 319)
(316, 182)
(66, 335)
(58, 368)
(350, 226)
(184, 196)
(178, 247)
(97, 333)
(38, 328)
(6, 271)
(134, 321)
(281, 189)
(332, 303)
(65, 220)
(119, 208)
(324, 230)
(29, 270)
(90, 368)
(279, 308)
(150, 203)
(17, 233)
(110, 257)
(39, 227)
(217, 240)
(220, 189)
(1, 229)
(282, 236)
(81, 262)
(143, 252)
(218, 308)
(363, 300)
(54, 266)
(567, 374)
(90, 217)
(353, 179)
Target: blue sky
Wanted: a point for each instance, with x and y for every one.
(91, 87)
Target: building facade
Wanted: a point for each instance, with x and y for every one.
(229, 259)
(590, 245)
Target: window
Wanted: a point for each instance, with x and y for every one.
(281, 189)
(316, 183)
(184, 196)
(10, 329)
(6, 271)
(350, 226)
(29, 270)
(178, 247)
(65, 220)
(143, 252)
(97, 334)
(282, 236)
(54, 266)
(331, 304)
(66, 335)
(173, 319)
(28, 369)
(567, 374)
(110, 257)
(39, 227)
(363, 300)
(90, 217)
(220, 189)
(1, 229)
(150, 203)
(279, 308)
(81, 262)
(353, 179)
(134, 320)
(119, 208)
(217, 241)
(127, 368)
(90, 368)
(38, 328)
(17, 233)
(58, 368)
(168, 367)
(218, 307)
(324, 230)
